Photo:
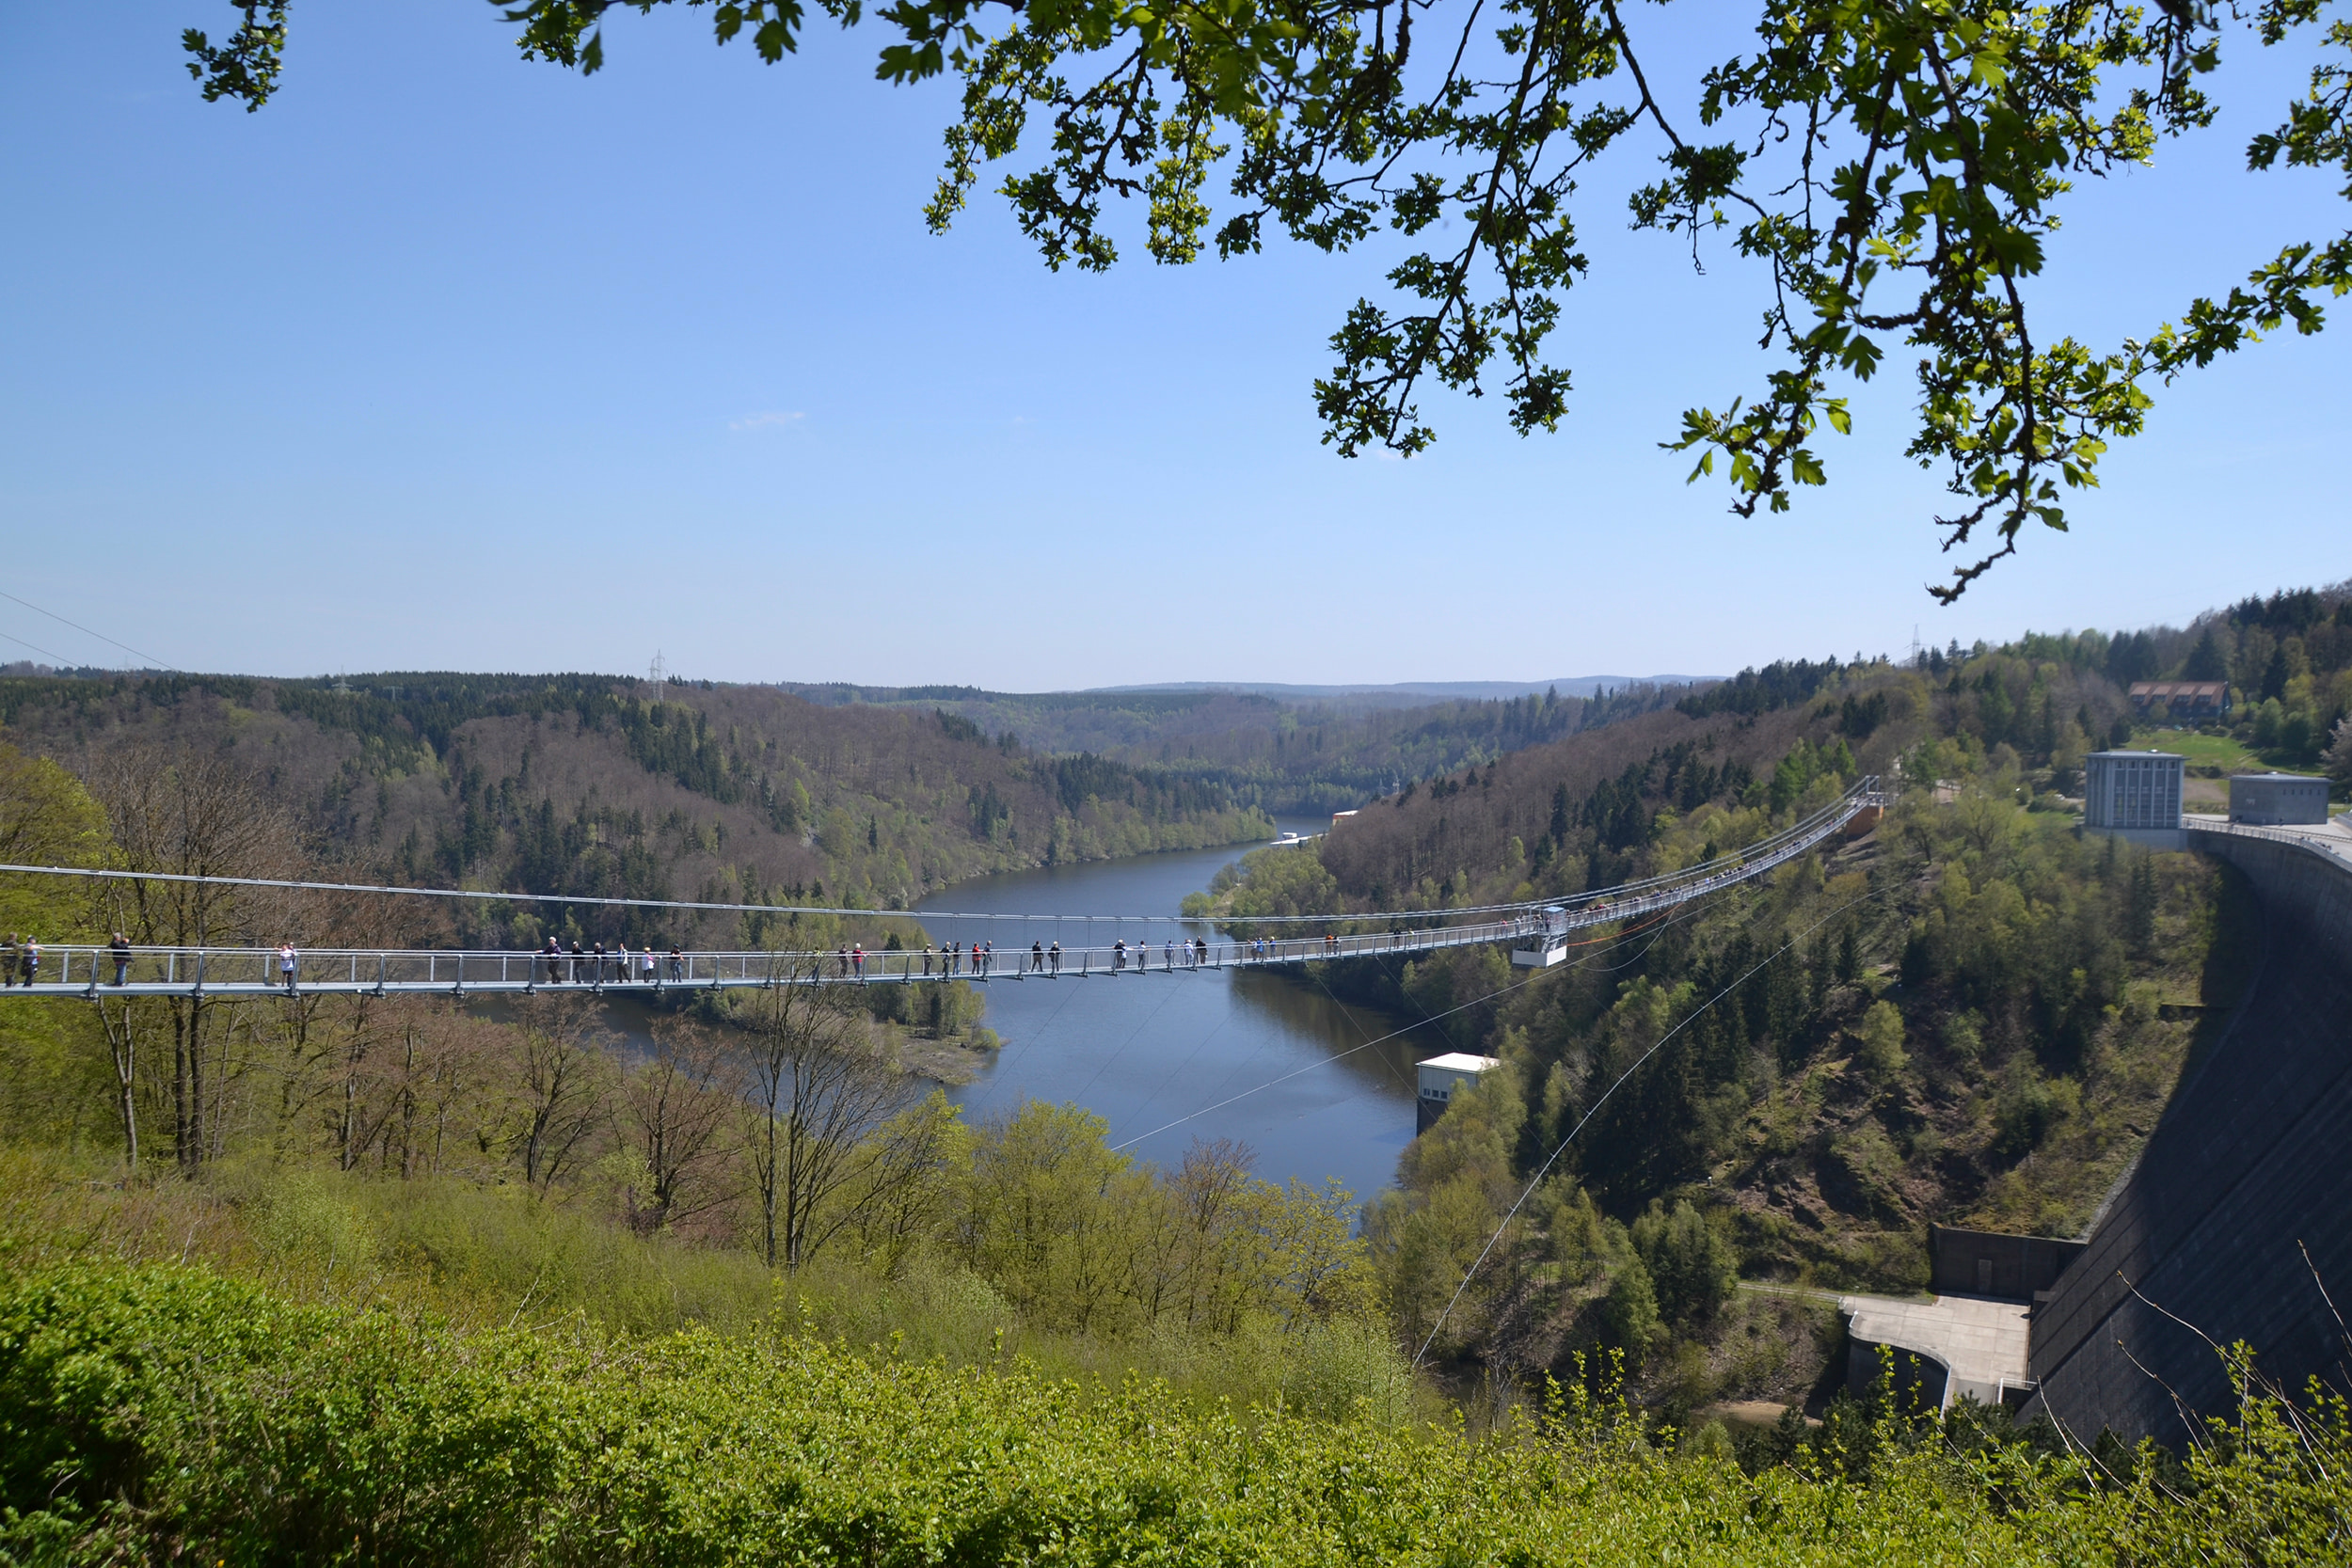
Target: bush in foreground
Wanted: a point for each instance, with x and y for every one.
(165, 1412)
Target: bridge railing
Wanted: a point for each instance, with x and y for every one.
(2329, 840)
(245, 969)
(190, 970)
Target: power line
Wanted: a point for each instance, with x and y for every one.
(78, 626)
(1310, 1066)
(36, 648)
(1619, 938)
(1594, 1109)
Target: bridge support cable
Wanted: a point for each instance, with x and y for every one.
(243, 971)
(1605, 946)
(1771, 850)
(1655, 932)
(1592, 1110)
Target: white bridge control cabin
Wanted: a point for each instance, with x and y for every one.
(1547, 943)
(1440, 1076)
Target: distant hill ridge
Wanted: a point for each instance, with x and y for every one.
(1402, 694)
(1566, 686)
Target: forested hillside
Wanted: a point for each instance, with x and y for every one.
(610, 786)
(1281, 755)
(374, 1280)
(1970, 1014)
(615, 787)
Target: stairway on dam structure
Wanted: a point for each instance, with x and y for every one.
(2249, 1171)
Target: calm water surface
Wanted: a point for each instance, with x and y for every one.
(1145, 1051)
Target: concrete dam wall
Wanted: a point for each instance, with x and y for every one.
(2250, 1168)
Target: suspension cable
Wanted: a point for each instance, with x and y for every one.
(1816, 825)
(1594, 1109)
(1618, 939)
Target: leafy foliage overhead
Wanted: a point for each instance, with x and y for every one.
(1895, 166)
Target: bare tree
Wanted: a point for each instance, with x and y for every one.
(123, 1052)
(562, 1071)
(1216, 1203)
(674, 1108)
(193, 812)
(818, 1086)
(438, 1064)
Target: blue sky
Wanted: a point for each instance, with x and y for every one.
(445, 359)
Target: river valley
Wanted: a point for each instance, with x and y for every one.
(1166, 1059)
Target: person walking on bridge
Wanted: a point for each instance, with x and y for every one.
(677, 964)
(1036, 958)
(927, 960)
(121, 948)
(857, 959)
(551, 953)
(1053, 954)
(286, 961)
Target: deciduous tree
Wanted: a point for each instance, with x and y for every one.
(1894, 168)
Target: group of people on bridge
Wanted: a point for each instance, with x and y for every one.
(595, 965)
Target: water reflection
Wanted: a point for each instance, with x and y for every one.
(1163, 1057)
(1291, 1065)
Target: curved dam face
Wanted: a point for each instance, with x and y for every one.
(2249, 1171)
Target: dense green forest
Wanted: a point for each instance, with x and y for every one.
(591, 784)
(1970, 1014)
(609, 786)
(1282, 756)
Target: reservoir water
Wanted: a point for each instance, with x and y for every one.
(1145, 1051)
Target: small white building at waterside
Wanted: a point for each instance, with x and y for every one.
(1440, 1077)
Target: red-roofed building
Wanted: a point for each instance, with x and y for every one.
(2184, 701)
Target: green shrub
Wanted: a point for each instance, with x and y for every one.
(164, 1412)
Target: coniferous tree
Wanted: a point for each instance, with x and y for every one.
(2206, 661)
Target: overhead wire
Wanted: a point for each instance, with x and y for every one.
(1177, 1070)
(83, 630)
(1817, 824)
(36, 647)
(1683, 913)
(1133, 1035)
(1594, 1109)
(1310, 1066)
(1394, 1034)
(1005, 1064)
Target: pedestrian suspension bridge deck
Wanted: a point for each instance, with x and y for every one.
(1189, 945)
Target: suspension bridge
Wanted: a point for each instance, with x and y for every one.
(1538, 931)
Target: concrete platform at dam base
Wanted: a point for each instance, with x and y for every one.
(1971, 1347)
